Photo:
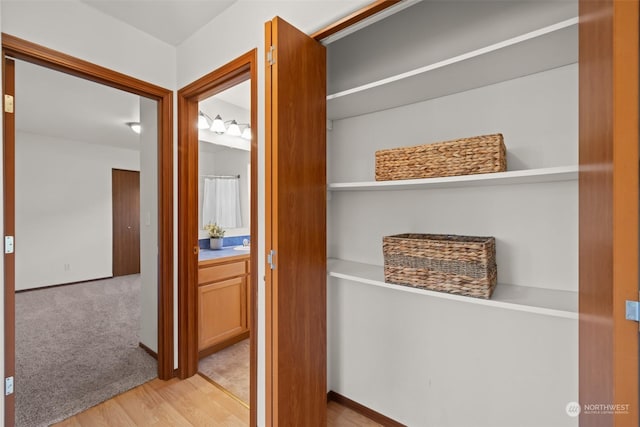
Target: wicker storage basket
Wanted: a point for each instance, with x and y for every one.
(480, 154)
(456, 264)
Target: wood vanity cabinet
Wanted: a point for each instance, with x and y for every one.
(222, 303)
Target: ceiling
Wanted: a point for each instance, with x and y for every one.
(171, 21)
(238, 95)
(56, 104)
(59, 105)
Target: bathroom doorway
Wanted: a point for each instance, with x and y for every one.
(224, 206)
(217, 210)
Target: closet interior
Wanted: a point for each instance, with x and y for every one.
(430, 71)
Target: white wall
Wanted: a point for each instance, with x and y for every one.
(64, 209)
(149, 223)
(433, 362)
(77, 29)
(241, 26)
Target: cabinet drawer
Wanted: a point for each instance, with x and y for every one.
(221, 271)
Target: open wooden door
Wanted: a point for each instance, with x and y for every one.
(608, 212)
(295, 227)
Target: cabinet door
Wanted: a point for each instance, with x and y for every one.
(221, 311)
(295, 228)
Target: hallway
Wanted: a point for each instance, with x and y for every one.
(193, 402)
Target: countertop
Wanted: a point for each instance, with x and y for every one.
(225, 252)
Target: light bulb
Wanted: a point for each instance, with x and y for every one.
(203, 121)
(234, 129)
(246, 133)
(218, 125)
(135, 126)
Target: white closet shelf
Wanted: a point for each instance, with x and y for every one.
(546, 302)
(526, 176)
(543, 49)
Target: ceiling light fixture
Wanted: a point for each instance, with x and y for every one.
(135, 126)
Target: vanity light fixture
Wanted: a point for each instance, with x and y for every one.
(135, 126)
(219, 126)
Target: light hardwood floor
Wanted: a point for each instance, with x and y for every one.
(193, 402)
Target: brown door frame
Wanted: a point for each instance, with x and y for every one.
(17, 48)
(127, 253)
(608, 182)
(237, 71)
(8, 127)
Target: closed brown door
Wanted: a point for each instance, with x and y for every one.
(296, 228)
(126, 222)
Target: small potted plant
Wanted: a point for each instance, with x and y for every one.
(216, 233)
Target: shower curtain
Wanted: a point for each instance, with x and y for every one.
(221, 202)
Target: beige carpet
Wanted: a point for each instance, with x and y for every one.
(230, 369)
(77, 346)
